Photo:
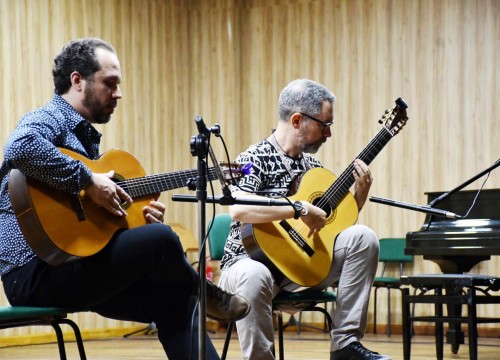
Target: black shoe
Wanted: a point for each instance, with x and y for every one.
(223, 306)
(356, 351)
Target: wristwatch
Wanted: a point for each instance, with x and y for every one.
(300, 210)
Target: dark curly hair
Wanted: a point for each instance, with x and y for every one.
(77, 55)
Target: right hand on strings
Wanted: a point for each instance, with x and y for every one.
(105, 193)
(315, 218)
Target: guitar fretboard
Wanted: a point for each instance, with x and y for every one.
(155, 184)
(335, 193)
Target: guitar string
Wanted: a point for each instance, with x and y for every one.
(384, 135)
(151, 184)
(340, 184)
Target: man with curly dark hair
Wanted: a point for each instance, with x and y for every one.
(141, 274)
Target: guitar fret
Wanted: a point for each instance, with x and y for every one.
(336, 192)
(154, 184)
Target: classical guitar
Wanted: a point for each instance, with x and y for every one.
(61, 227)
(299, 262)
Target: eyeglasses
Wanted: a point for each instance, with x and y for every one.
(325, 125)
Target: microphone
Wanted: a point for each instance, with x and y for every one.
(421, 208)
(240, 201)
(202, 128)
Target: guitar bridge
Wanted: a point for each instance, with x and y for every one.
(297, 238)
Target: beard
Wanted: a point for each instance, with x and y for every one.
(312, 148)
(95, 107)
(307, 146)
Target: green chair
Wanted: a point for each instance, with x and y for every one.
(392, 251)
(16, 316)
(218, 230)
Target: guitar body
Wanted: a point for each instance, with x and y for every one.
(50, 219)
(298, 262)
(291, 266)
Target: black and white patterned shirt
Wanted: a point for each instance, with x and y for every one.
(269, 177)
(32, 148)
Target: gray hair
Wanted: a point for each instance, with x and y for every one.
(305, 96)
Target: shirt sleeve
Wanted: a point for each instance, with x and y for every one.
(32, 148)
(252, 182)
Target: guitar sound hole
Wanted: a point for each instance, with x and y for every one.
(325, 206)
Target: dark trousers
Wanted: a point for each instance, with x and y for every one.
(141, 275)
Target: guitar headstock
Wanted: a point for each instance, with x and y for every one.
(394, 119)
(233, 172)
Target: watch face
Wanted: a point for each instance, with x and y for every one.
(297, 205)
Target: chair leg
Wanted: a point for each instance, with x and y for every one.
(299, 323)
(60, 338)
(327, 320)
(78, 337)
(388, 311)
(439, 327)
(472, 322)
(227, 340)
(280, 336)
(375, 310)
(407, 324)
(413, 313)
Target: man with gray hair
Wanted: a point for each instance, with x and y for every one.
(306, 115)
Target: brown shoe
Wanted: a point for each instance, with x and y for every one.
(223, 306)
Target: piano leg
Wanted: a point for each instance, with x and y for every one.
(438, 308)
(455, 265)
(454, 335)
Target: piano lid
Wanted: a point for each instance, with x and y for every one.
(449, 241)
(484, 214)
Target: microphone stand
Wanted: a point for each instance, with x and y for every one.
(461, 186)
(200, 147)
(429, 209)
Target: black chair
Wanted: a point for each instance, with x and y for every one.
(392, 251)
(460, 290)
(284, 302)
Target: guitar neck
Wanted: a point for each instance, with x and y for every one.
(155, 184)
(341, 186)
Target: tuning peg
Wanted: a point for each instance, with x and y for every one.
(383, 117)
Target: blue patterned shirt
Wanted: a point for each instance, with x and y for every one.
(32, 148)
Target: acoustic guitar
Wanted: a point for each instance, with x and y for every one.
(296, 261)
(61, 227)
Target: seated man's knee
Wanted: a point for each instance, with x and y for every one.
(366, 234)
(360, 237)
(162, 238)
(257, 279)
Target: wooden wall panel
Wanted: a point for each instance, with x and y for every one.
(228, 60)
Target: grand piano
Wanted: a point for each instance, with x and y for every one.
(458, 245)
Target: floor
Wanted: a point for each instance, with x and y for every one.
(307, 345)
